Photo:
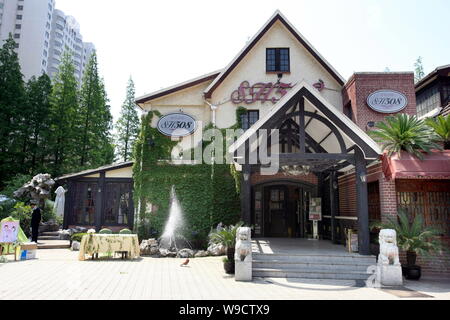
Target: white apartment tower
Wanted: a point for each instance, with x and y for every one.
(42, 33)
(30, 24)
(65, 35)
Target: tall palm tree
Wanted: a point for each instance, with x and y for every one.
(403, 132)
(441, 126)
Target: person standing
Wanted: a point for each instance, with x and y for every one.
(35, 221)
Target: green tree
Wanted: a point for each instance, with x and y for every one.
(441, 125)
(128, 124)
(12, 98)
(38, 123)
(96, 120)
(64, 118)
(405, 133)
(418, 70)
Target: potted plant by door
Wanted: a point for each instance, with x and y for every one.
(227, 237)
(413, 238)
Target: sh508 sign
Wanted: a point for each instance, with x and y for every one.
(387, 101)
(177, 125)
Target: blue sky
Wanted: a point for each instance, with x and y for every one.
(161, 43)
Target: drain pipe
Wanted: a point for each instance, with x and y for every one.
(213, 109)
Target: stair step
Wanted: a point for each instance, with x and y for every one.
(326, 259)
(310, 266)
(48, 238)
(50, 233)
(278, 273)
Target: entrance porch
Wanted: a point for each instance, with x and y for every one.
(308, 259)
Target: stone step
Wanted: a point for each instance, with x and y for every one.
(53, 244)
(48, 238)
(279, 273)
(50, 234)
(326, 259)
(287, 265)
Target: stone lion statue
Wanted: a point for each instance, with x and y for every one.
(388, 248)
(243, 244)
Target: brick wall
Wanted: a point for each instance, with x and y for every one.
(361, 85)
(434, 265)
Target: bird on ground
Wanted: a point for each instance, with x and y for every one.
(185, 263)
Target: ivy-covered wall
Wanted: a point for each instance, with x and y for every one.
(208, 194)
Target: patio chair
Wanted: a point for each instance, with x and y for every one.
(105, 231)
(125, 231)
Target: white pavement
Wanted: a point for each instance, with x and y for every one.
(57, 274)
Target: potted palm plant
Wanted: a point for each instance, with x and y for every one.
(441, 125)
(413, 238)
(403, 132)
(227, 237)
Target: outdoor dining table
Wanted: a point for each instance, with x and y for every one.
(93, 244)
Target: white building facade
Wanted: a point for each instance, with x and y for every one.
(42, 33)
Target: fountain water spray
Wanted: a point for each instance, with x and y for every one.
(171, 237)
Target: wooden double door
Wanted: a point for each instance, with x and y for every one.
(282, 211)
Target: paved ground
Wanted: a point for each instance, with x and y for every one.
(57, 274)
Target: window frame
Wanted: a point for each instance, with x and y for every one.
(277, 64)
(247, 115)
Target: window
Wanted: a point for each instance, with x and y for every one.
(44, 63)
(20, 8)
(249, 118)
(277, 60)
(17, 36)
(18, 26)
(428, 100)
(19, 17)
(348, 111)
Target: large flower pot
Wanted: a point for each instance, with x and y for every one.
(412, 272)
(229, 267)
(230, 253)
(411, 258)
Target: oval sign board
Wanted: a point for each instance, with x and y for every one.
(176, 125)
(387, 101)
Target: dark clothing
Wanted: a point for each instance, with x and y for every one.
(35, 221)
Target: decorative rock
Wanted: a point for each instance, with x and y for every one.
(171, 254)
(201, 253)
(149, 247)
(217, 250)
(185, 253)
(64, 234)
(75, 246)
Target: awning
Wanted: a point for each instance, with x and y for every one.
(435, 165)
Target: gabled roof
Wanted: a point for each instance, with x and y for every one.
(108, 167)
(442, 70)
(277, 16)
(344, 124)
(178, 87)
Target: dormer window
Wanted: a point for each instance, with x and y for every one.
(277, 60)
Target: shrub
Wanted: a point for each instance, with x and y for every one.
(22, 213)
(77, 236)
(6, 207)
(105, 231)
(47, 213)
(125, 231)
